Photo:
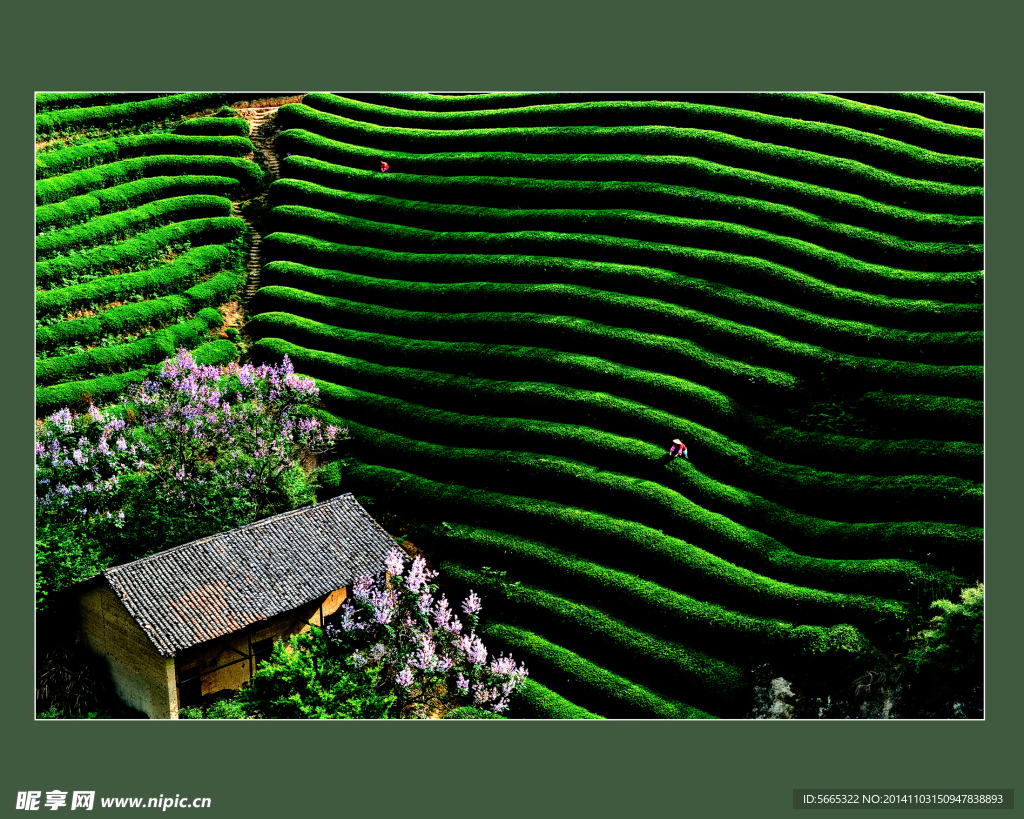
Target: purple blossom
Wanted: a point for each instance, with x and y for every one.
(471, 605)
(404, 677)
(395, 563)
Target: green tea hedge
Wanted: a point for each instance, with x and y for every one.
(955, 282)
(214, 126)
(683, 171)
(959, 191)
(174, 277)
(120, 358)
(612, 695)
(92, 154)
(117, 226)
(145, 246)
(81, 208)
(49, 191)
(112, 387)
(129, 113)
(342, 242)
(821, 136)
(928, 242)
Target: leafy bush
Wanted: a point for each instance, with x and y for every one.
(217, 125)
(71, 680)
(131, 254)
(158, 472)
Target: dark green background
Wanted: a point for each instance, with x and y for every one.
(484, 768)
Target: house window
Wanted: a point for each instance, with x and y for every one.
(190, 690)
(261, 650)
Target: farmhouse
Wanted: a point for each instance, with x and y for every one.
(193, 621)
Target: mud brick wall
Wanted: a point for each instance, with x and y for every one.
(142, 678)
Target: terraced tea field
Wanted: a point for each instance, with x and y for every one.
(544, 290)
(139, 246)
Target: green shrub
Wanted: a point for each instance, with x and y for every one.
(58, 101)
(130, 113)
(670, 271)
(120, 358)
(849, 497)
(601, 691)
(215, 126)
(311, 153)
(116, 226)
(249, 175)
(937, 416)
(931, 242)
(823, 136)
(143, 247)
(641, 229)
(173, 277)
(682, 566)
(933, 114)
(131, 194)
(571, 149)
(111, 387)
(90, 154)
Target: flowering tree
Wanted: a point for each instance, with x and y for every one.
(193, 451)
(422, 650)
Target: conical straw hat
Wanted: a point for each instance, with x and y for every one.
(677, 441)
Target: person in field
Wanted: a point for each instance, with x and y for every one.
(384, 166)
(678, 448)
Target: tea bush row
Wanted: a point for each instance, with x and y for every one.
(214, 126)
(851, 497)
(173, 277)
(939, 544)
(711, 684)
(130, 113)
(935, 125)
(648, 552)
(112, 387)
(952, 243)
(610, 694)
(636, 227)
(127, 318)
(315, 157)
(941, 107)
(659, 391)
(566, 333)
(649, 268)
(102, 152)
(148, 245)
(823, 137)
(536, 701)
(742, 339)
(87, 206)
(117, 226)
(623, 146)
(119, 358)
(595, 299)
(56, 101)
(737, 359)
(645, 604)
(655, 502)
(248, 174)
(938, 416)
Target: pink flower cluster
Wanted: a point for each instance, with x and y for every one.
(433, 656)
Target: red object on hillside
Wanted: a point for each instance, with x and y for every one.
(384, 166)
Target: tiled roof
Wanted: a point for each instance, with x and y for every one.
(220, 584)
